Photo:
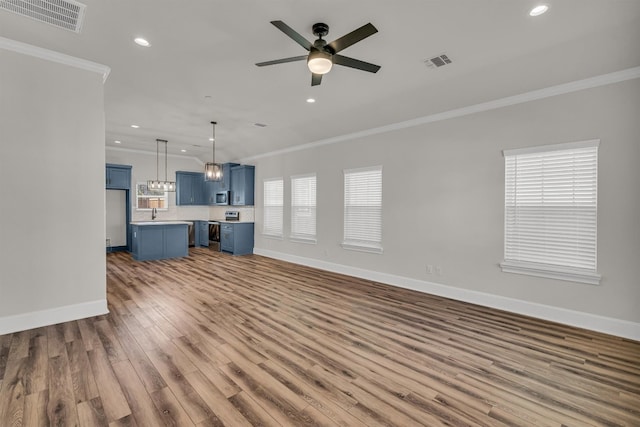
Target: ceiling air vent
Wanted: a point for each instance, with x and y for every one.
(437, 61)
(67, 14)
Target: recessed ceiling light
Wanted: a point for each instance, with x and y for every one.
(183, 150)
(142, 42)
(211, 139)
(117, 142)
(539, 10)
(311, 100)
(135, 126)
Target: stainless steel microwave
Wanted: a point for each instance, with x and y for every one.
(223, 198)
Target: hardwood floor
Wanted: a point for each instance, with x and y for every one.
(214, 340)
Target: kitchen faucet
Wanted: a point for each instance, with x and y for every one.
(154, 213)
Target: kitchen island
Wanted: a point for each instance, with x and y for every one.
(152, 240)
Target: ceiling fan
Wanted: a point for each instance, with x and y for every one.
(323, 55)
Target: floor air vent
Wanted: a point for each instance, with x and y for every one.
(67, 14)
(437, 61)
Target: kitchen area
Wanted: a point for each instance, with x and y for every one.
(218, 215)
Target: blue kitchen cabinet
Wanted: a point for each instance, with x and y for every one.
(175, 242)
(236, 238)
(242, 185)
(159, 240)
(210, 190)
(184, 188)
(225, 182)
(213, 187)
(117, 177)
(190, 188)
(202, 233)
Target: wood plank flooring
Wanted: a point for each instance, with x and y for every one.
(216, 340)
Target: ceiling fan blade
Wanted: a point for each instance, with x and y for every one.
(282, 61)
(353, 37)
(316, 79)
(355, 63)
(293, 34)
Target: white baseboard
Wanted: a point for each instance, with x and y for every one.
(607, 325)
(51, 316)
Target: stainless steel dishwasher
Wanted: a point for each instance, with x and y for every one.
(192, 234)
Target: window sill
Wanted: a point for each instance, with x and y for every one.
(361, 247)
(551, 272)
(307, 240)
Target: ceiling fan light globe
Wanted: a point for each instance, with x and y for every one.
(319, 62)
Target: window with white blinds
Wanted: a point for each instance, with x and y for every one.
(551, 211)
(273, 207)
(363, 209)
(303, 208)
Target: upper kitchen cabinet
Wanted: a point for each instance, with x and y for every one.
(242, 185)
(225, 182)
(117, 177)
(190, 189)
(213, 187)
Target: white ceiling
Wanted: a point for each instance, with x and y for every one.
(200, 66)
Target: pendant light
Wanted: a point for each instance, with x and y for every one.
(157, 184)
(213, 170)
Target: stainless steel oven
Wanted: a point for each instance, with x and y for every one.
(214, 235)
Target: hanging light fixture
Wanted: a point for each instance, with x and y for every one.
(157, 184)
(213, 170)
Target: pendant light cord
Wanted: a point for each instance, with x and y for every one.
(158, 141)
(157, 160)
(213, 157)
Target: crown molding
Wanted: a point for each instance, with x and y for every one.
(575, 86)
(50, 55)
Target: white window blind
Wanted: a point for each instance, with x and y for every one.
(363, 209)
(551, 211)
(303, 207)
(273, 207)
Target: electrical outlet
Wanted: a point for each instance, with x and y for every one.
(438, 270)
(429, 269)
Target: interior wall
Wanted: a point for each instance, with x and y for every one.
(52, 173)
(443, 199)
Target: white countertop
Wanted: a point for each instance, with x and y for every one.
(161, 222)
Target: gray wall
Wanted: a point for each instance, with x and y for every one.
(443, 197)
(52, 260)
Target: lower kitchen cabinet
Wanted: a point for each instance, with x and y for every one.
(159, 241)
(236, 238)
(202, 230)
